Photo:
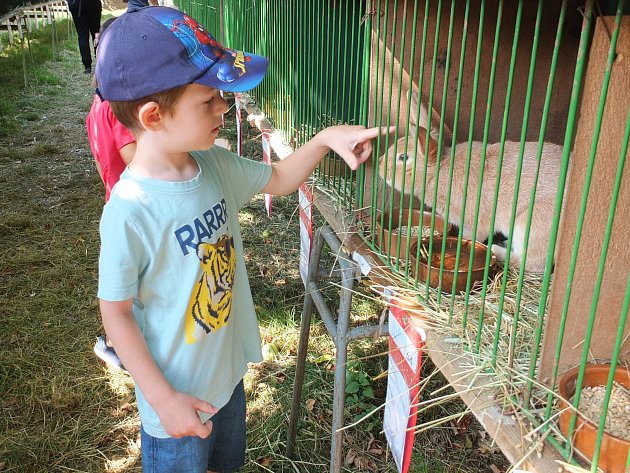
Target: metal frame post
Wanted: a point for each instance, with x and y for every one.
(339, 331)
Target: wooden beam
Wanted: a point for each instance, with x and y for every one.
(504, 429)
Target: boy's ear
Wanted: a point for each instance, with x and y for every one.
(150, 116)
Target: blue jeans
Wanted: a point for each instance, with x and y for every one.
(223, 451)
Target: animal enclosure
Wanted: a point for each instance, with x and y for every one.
(513, 123)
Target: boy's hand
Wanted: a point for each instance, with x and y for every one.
(179, 417)
(353, 143)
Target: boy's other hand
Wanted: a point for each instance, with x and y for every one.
(353, 143)
(180, 418)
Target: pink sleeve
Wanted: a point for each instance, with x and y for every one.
(121, 135)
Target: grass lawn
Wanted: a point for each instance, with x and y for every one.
(61, 409)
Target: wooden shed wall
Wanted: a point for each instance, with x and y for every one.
(390, 44)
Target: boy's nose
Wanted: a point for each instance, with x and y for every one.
(225, 106)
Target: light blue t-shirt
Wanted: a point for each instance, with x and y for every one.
(176, 249)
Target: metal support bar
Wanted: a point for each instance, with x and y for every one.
(339, 331)
(324, 311)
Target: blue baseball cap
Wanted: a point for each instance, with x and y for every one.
(154, 49)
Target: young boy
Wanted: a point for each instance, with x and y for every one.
(112, 144)
(173, 288)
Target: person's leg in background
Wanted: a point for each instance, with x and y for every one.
(83, 32)
(86, 15)
(94, 18)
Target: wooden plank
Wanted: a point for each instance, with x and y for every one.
(258, 120)
(31, 16)
(8, 24)
(19, 28)
(618, 261)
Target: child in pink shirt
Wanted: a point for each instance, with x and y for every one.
(113, 147)
(111, 143)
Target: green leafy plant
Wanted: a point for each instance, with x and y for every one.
(359, 393)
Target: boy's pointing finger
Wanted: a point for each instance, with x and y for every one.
(370, 133)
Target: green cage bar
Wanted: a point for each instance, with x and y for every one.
(611, 57)
(580, 69)
(626, 303)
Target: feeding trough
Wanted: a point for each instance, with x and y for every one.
(408, 232)
(448, 260)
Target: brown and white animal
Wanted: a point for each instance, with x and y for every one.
(397, 166)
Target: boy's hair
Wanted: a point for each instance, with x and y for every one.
(127, 111)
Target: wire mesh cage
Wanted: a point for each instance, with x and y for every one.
(500, 204)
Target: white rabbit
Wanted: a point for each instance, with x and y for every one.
(398, 163)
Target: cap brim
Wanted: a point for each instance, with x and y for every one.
(236, 71)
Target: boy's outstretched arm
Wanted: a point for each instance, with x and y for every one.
(352, 143)
(177, 411)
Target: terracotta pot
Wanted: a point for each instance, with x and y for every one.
(391, 247)
(614, 450)
(478, 251)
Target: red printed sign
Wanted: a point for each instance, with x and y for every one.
(239, 124)
(306, 228)
(401, 409)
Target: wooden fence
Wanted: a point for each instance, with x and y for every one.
(17, 26)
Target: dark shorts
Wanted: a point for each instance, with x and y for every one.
(223, 451)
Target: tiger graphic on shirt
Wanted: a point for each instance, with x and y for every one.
(211, 299)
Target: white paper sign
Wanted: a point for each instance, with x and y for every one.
(405, 360)
(364, 266)
(266, 149)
